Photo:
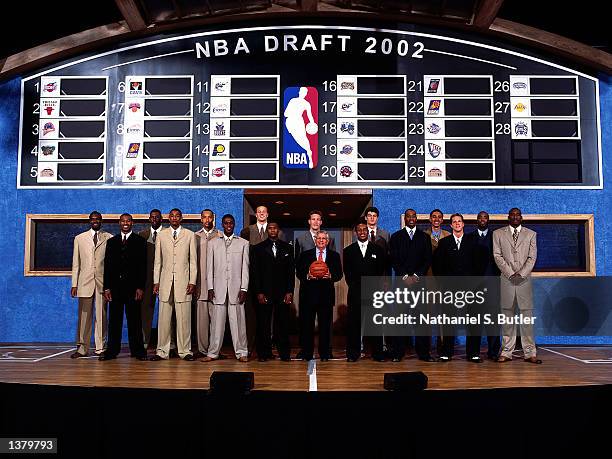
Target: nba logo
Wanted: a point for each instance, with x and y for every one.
(300, 138)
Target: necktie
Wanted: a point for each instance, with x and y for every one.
(154, 236)
(515, 235)
(228, 242)
(411, 233)
(124, 239)
(95, 238)
(174, 235)
(372, 236)
(261, 232)
(458, 244)
(274, 249)
(436, 236)
(320, 256)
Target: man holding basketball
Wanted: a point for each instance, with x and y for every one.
(318, 269)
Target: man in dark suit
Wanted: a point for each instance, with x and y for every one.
(125, 272)
(376, 234)
(484, 265)
(148, 301)
(410, 250)
(273, 271)
(318, 297)
(455, 257)
(361, 258)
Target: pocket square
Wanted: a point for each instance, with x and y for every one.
(373, 255)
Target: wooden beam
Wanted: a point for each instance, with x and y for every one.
(131, 14)
(486, 12)
(551, 42)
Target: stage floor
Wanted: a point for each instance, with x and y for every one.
(50, 364)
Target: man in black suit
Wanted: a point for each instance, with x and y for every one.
(273, 280)
(361, 258)
(455, 257)
(484, 265)
(318, 296)
(125, 273)
(410, 250)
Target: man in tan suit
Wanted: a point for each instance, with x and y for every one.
(175, 274)
(87, 285)
(227, 271)
(149, 298)
(203, 237)
(515, 253)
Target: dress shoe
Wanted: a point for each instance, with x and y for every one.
(378, 358)
(209, 359)
(285, 358)
(198, 355)
(77, 355)
(155, 358)
(243, 359)
(300, 355)
(474, 359)
(261, 359)
(173, 353)
(142, 358)
(492, 357)
(427, 358)
(444, 359)
(351, 359)
(396, 359)
(533, 359)
(105, 356)
(188, 358)
(503, 359)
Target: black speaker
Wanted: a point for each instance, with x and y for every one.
(407, 381)
(232, 382)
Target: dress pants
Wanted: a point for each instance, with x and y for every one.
(134, 325)
(203, 325)
(280, 310)
(324, 313)
(218, 316)
(354, 338)
(147, 307)
(509, 331)
(422, 346)
(85, 319)
(183, 326)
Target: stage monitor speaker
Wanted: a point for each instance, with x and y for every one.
(232, 382)
(407, 381)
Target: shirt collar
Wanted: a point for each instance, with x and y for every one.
(483, 233)
(92, 232)
(318, 250)
(458, 238)
(125, 235)
(227, 238)
(518, 228)
(410, 229)
(178, 230)
(362, 244)
(262, 225)
(207, 232)
(153, 230)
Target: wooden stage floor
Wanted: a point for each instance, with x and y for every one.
(50, 364)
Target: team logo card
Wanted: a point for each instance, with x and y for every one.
(47, 150)
(346, 149)
(520, 106)
(134, 130)
(133, 150)
(132, 171)
(346, 85)
(219, 106)
(49, 108)
(300, 127)
(346, 106)
(521, 128)
(47, 172)
(347, 128)
(434, 107)
(220, 85)
(435, 171)
(48, 129)
(347, 172)
(219, 172)
(433, 85)
(219, 149)
(49, 86)
(134, 86)
(219, 128)
(519, 85)
(434, 129)
(435, 149)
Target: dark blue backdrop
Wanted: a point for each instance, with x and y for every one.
(40, 308)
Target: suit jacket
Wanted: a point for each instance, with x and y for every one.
(175, 262)
(251, 234)
(356, 266)
(125, 267)
(88, 263)
(434, 244)
(382, 239)
(450, 261)
(484, 263)
(202, 241)
(305, 242)
(410, 256)
(510, 259)
(272, 276)
(146, 234)
(318, 291)
(227, 269)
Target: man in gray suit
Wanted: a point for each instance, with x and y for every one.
(203, 236)
(148, 301)
(176, 269)
(227, 272)
(515, 252)
(307, 240)
(376, 234)
(87, 285)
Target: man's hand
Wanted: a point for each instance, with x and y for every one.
(211, 295)
(327, 275)
(155, 289)
(242, 296)
(73, 292)
(288, 298)
(516, 278)
(261, 298)
(139, 294)
(107, 295)
(191, 289)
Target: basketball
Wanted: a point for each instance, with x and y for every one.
(318, 269)
(311, 128)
